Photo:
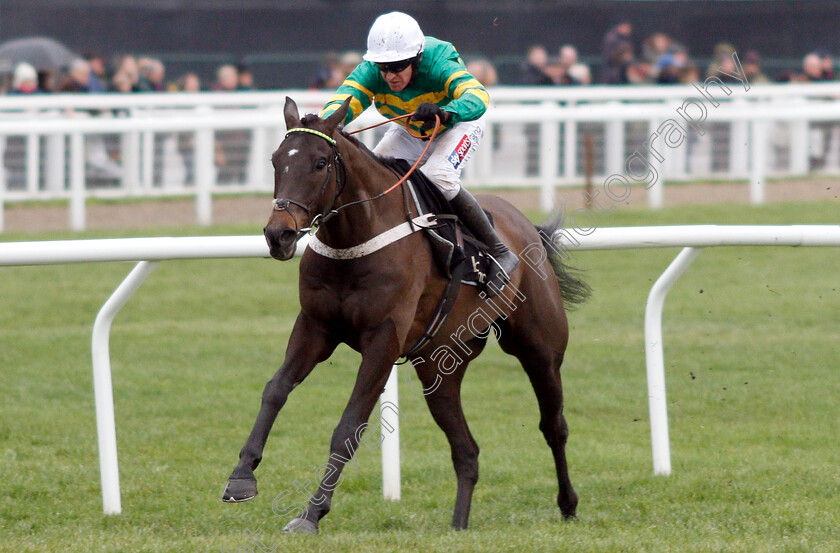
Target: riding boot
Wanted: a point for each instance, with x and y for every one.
(467, 209)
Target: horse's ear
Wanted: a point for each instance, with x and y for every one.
(334, 120)
(290, 111)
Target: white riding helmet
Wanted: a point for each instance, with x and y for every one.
(394, 36)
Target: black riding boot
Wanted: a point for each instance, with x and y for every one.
(467, 209)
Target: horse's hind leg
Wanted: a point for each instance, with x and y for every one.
(308, 345)
(445, 406)
(542, 364)
(545, 378)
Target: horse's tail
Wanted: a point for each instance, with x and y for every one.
(574, 289)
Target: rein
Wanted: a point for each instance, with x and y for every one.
(416, 163)
(282, 204)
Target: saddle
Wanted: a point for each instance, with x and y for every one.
(456, 252)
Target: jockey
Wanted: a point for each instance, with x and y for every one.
(404, 71)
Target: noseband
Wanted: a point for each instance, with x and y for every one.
(282, 204)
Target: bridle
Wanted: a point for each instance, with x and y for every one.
(282, 204)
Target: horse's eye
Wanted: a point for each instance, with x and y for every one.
(320, 164)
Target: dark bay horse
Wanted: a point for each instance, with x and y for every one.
(380, 304)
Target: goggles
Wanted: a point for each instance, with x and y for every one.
(394, 66)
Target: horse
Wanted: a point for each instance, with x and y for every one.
(380, 303)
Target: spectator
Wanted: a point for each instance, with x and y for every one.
(787, 76)
(329, 75)
(126, 64)
(24, 80)
(656, 46)
(689, 74)
(534, 71)
(185, 141)
(728, 71)
(144, 83)
(580, 73)
(227, 79)
(722, 52)
(189, 82)
(121, 82)
(245, 79)
(827, 64)
(348, 62)
(568, 59)
(46, 81)
(618, 53)
(99, 164)
(669, 69)
(555, 71)
(568, 55)
(629, 70)
(78, 77)
(151, 74)
(157, 75)
(820, 139)
(752, 68)
(98, 75)
(813, 69)
(233, 145)
(484, 71)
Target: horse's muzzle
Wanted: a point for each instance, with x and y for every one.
(282, 242)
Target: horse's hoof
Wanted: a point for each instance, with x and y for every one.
(240, 489)
(301, 526)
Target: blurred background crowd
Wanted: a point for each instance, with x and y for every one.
(125, 73)
(624, 59)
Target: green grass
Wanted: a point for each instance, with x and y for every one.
(751, 357)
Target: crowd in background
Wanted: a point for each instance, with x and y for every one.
(657, 59)
(662, 59)
(124, 74)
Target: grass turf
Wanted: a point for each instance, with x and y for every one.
(751, 358)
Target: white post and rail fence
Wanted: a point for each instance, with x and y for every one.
(152, 145)
(148, 252)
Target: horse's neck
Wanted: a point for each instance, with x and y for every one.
(365, 179)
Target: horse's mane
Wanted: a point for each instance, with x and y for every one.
(387, 161)
(310, 119)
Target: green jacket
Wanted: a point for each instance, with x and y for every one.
(441, 79)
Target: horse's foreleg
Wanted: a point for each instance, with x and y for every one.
(379, 351)
(308, 346)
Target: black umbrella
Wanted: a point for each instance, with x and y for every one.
(42, 52)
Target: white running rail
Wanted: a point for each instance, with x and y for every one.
(80, 146)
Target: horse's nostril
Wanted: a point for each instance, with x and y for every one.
(279, 236)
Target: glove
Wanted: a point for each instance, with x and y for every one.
(427, 111)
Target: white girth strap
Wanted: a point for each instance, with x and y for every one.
(374, 244)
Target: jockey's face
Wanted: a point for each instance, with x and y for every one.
(397, 81)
